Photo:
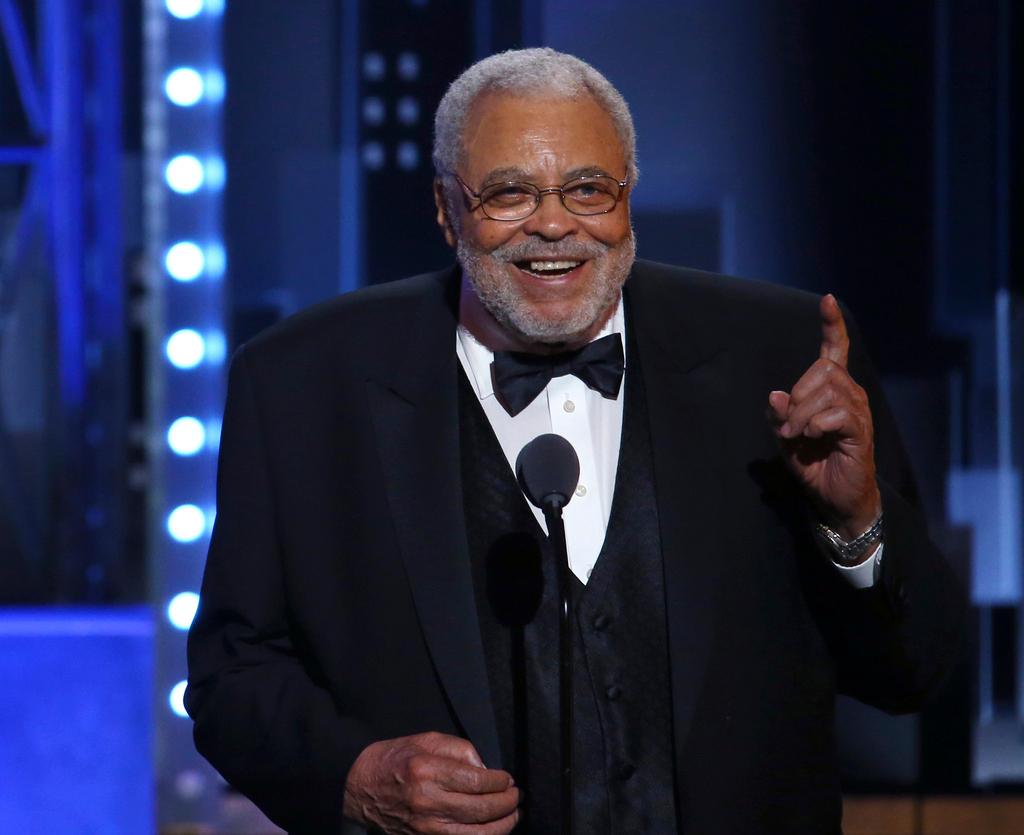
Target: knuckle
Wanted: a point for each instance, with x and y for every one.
(419, 768)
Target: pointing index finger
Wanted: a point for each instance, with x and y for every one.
(835, 342)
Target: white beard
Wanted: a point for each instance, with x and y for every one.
(501, 297)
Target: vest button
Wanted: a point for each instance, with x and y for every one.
(601, 622)
(613, 693)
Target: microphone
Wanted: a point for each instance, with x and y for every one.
(548, 471)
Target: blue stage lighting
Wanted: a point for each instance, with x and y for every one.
(373, 156)
(214, 172)
(213, 85)
(185, 261)
(176, 699)
(186, 348)
(186, 436)
(408, 110)
(184, 9)
(374, 66)
(181, 610)
(216, 260)
(408, 66)
(184, 174)
(186, 523)
(408, 155)
(184, 86)
(373, 110)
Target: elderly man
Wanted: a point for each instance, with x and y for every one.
(375, 644)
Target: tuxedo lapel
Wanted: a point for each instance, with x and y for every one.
(415, 411)
(686, 379)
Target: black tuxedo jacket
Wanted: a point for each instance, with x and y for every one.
(338, 608)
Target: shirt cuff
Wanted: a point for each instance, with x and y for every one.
(863, 576)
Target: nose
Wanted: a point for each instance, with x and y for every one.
(551, 220)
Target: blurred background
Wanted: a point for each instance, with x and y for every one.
(176, 175)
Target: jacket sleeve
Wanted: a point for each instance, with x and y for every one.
(260, 716)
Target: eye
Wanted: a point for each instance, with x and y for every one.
(507, 194)
(595, 190)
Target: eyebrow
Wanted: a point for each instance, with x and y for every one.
(520, 175)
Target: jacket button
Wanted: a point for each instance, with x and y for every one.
(601, 622)
(901, 591)
(613, 692)
(626, 770)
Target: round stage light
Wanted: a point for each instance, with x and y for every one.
(181, 611)
(176, 699)
(186, 348)
(373, 110)
(408, 66)
(373, 156)
(186, 523)
(184, 174)
(408, 155)
(185, 261)
(186, 436)
(184, 86)
(184, 9)
(408, 110)
(374, 66)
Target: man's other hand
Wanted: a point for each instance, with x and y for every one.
(824, 427)
(430, 783)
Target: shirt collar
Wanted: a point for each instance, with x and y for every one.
(476, 358)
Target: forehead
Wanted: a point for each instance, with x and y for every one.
(539, 136)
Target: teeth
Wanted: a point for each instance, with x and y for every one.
(541, 266)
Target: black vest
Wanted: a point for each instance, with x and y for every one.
(623, 755)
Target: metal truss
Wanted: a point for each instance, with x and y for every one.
(67, 236)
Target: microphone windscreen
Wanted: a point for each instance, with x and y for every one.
(548, 468)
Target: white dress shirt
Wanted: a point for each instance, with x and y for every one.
(592, 423)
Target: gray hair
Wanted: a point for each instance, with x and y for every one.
(541, 71)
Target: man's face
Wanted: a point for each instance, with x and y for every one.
(546, 142)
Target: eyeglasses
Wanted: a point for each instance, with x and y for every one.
(596, 195)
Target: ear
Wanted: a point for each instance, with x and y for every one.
(443, 220)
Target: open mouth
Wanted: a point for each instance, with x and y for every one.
(548, 269)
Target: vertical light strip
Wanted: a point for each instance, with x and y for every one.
(184, 180)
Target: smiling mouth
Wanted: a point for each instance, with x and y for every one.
(548, 269)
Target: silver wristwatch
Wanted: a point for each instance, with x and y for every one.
(854, 550)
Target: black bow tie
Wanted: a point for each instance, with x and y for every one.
(519, 377)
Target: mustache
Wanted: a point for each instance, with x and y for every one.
(556, 251)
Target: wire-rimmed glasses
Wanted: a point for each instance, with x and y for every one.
(511, 200)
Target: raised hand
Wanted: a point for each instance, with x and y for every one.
(430, 783)
(824, 427)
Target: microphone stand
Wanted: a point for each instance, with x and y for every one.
(552, 508)
(548, 470)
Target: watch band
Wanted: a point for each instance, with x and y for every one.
(855, 549)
